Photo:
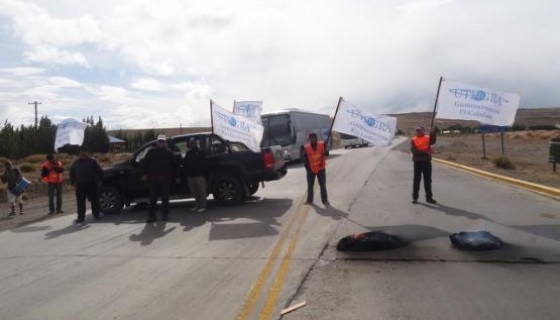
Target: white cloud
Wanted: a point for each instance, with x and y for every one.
(22, 71)
(54, 56)
(173, 55)
(148, 84)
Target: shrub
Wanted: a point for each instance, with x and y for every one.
(36, 158)
(27, 167)
(104, 159)
(503, 163)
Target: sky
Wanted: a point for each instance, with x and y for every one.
(157, 64)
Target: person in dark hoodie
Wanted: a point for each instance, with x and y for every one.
(11, 176)
(159, 169)
(421, 147)
(85, 176)
(194, 168)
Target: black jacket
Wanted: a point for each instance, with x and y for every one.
(86, 171)
(194, 163)
(160, 163)
(12, 177)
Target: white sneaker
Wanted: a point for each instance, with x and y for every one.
(201, 210)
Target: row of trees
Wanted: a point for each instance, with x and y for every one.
(137, 139)
(22, 141)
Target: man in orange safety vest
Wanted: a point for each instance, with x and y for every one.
(315, 157)
(51, 172)
(421, 147)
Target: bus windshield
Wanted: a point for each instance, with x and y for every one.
(277, 130)
(345, 136)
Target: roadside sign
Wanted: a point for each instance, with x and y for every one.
(486, 128)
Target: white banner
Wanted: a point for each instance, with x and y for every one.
(466, 102)
(234, 127)
(248, 109)
(376, 129)
(69, 131)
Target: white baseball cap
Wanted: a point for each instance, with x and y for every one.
(161, 137)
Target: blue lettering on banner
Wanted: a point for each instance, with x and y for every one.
(233, 122)
(370, 121)
(478, 95)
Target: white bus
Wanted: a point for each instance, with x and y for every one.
(291, 127)
(349, 141)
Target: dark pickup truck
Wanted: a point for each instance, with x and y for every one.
(234, 172)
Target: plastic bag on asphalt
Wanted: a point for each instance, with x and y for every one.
(370, 241)
(476, 240)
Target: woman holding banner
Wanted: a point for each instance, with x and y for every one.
(12, 176)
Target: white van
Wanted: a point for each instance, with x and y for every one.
(349, 141)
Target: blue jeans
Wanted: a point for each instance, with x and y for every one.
(322, 177)
(55, 189)
(422, 168)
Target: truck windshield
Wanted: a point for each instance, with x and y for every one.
(277, 130)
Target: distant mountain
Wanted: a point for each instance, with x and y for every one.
(405, 122)
(527, 117)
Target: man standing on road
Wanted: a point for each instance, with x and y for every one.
(159, 169)
(421, 147)
(85, 176)
(314, 159)
(194, 166)
(11, 176)
(51, 172)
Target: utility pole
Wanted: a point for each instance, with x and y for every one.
(35, 103)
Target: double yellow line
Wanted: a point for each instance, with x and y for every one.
(298, 219)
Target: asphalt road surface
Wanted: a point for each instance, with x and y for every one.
(252, 260)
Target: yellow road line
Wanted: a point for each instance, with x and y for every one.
(259, 284)
(276, 288)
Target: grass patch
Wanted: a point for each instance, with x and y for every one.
(503, 162)
(27, 167)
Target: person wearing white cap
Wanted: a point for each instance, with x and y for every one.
(159, 169)
(421, 147)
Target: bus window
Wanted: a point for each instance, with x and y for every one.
(277, 130)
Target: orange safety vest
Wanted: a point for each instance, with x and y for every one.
(316, 158)
(53, 177)
(422, 143)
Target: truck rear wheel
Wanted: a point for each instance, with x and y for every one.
(253, 188)
(227, 190)
(110, 200)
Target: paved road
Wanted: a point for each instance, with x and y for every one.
(251, 261)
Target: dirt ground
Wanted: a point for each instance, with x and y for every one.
(528, 150)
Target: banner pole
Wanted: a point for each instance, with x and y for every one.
(435, 105)
(211, 117)
(332, 124)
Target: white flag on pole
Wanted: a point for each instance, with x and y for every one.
(234, 127)
(69, 131)
(249, 109)
(467, 102)
(376, 129)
